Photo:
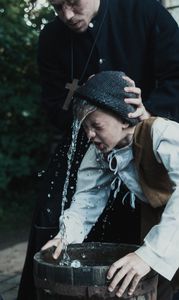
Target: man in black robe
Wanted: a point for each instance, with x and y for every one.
(138, 37)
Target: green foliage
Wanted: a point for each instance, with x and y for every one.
(25, 132)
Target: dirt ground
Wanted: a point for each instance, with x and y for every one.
(13, 246)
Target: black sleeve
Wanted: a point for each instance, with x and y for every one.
(53, 75)
(164, 99)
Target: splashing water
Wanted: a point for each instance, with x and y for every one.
(70, 155)
(75, 263)
(81, 109)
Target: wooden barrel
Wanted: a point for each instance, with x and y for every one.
(87, 281)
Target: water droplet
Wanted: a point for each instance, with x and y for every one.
(40, 173)
(75, 264)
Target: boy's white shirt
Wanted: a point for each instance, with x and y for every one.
(160, 249)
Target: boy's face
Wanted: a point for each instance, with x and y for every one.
(105, 130)
(76, 14)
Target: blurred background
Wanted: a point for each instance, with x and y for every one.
(26, 137)
(25, 134)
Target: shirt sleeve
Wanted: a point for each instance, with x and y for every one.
(92, 193)
(160, 249)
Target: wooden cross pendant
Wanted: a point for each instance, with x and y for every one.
(72, 88)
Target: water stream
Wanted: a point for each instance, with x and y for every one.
(70, 156)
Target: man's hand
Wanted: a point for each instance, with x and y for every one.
(54, 242)
(131, 268)
(140, 112)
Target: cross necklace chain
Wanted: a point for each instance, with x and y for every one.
(74, 84)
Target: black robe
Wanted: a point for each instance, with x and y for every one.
(138, 37)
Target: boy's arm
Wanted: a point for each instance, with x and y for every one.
(92, 193)
(160, 249)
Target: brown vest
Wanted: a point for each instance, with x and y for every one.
(153, 176)
(154, 180)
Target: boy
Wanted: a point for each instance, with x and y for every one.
(144, 155)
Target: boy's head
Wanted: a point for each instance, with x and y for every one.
(105, 90)
(100, 105)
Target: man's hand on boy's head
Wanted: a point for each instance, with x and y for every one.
(130, 268)
(140, 111)
(58, 243)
